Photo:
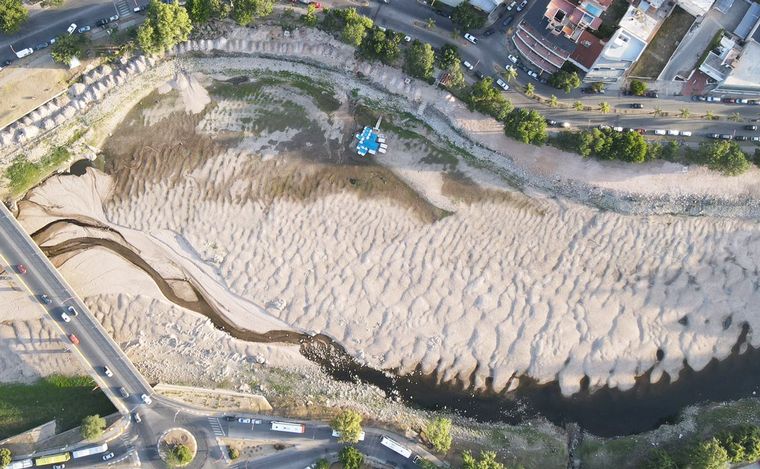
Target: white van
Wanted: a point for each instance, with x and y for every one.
(686, 133)
(660, 132)
(674, 133)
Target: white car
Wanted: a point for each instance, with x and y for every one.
(65, 317)
(108, 372)
(512, 58)
(742, 101)
(471, 38)
(407, 38)
(146, 399)
(244, 420)
(617, 129)
(72, 28)
(467, 65)
(511, 5)
(674, 133)
(660, 132)
(502, 84)
(533, 74)
(72, 311)
(113, 18)
(565, 125)
(686, 133)
(755, 139)
(713, 99)
(83, 29)
(108, 456)
(522, 5)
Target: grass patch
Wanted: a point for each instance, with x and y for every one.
(23, 174)
(67, 399)
(663, 45)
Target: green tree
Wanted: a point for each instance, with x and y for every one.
(310, 18)
(430, 23)
(684, 113)
(179, 455)
(455, 75)
(487, 460)
(467, 17)
(448, 56)
(708, 455)
(724, 156)
(12, 15)
(510, 73)
(735, 117)
(245, 11)
(200, 11)
(566, 81)
(351, 458)
(553, 101)
(742, 444)
(710, 116)
(66, 47)
(419, 60)
(92, 427)
(527, 126)
(597, 87)
(578, 106)
(671, 151)
(638, 88)
(5, 457)
(485, 98)
(438, 431)
(659, 459)
(322, 463)
(604, 107)
(165, 25)
(629, 146)
(530, 90)
(349, 423)
(381, 45)
(234, 452)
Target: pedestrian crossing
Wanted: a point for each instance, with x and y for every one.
(123, 7)
(216, 426)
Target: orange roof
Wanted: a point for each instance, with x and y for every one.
(589, 48)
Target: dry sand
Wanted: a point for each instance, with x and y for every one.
(508, 285)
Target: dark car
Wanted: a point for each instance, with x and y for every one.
(101, 22)
(488, 32)
(726, 137)
(41, 45)
(479, 75)
(45, 299)
(750, 127)
(552, 122)
(21, 268)
(741, 138)
(123, 392)
(230, 418)
(713, 136)
(637, 106)
(507, 21)
(652, 94)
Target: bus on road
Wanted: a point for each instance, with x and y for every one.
(52, 459)
(396, 447)
(288, 427)
(80, 453)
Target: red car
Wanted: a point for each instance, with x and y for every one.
(21, 268)
(73, 339)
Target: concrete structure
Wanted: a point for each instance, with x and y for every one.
(487, 6)
(743, 79)
(749, 24)
(624, 47)
(719, 63)
(552, 30)
(696, 7)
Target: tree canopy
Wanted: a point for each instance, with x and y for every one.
(351, 458)
(200, 11)
(566, 81)
(708, 455)
(527, 126)
(419, 60)
(66, 47)
(487, 460)
(310, 18)
(349, 423)
(659, 459)
(245, 11)
(166, 24)
(92, 427)
(179, 455)
(448, 55)
(322, 463)
(488, 100)
(381, 45)
(12, 15)
(637, 87)
(5, 457)
(352, 25)
(468, 17)
(724, 156)
(438, 431)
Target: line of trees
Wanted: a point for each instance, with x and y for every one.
(740, 445)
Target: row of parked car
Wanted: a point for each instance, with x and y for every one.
(739, 138)
(716, 99)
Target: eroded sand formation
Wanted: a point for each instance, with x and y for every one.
(507, 285)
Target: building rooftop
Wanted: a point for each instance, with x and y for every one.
(746, 69)
(535, 18)
(638, 23)
(748, 22)
(486, 5)
(696, 7)
(588, 49)
(624, 46)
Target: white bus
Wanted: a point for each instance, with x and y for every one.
(288, 427)
(80, 453)
(336, 434)
(394, 446)
(24, 463)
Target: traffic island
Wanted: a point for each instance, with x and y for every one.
(177, 447)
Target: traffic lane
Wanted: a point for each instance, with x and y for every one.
(297, 458)
(52, 28)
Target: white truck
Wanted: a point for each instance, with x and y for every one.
(80, 453)
(288, 427)
(395, 447)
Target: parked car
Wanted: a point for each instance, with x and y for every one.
(637, 106)
(565, 125)
(507, 21)
(660, 132)
(108, 456)
(511, 5)
(522, 5)
(512, 58)
(502, 84)
(674, 133)
(65, 317)
(101, 22)
(467, 65)
(407, 38)
(74, 339)
(755, 139)
(686, 133)
(552, 123)
(488, 32)
(21, 268)
(146, 399)
(698, 98)
(533, 74)
(45, 299)
(617, 129)
(83, 29)
(59, 466)
(139, 9)
(713, 99)
(113, 18)
(41, 45)
(108, 372)
(713, 136)
(479, 74)
(136, 417)
(729, 100)
(123, 392)
(230, 418)
(72, 27)
(741, 138)
(750, 127)
(652, 94)
(604, 127)
(244, 420)
(72, 311)
(726, 137)
(742, 101)
(471, 38)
